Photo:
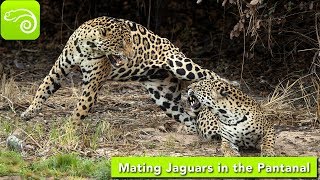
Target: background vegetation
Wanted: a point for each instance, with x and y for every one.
(258, 41)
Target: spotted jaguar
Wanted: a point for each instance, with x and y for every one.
(122, 50)
(228, 112)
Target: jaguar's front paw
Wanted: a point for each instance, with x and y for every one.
(231, 153)
(229, 149)
(268, 152)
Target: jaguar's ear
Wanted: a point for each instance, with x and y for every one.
(124, 27)
(224, 92)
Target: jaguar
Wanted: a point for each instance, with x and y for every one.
(107, 48)
(232, 114)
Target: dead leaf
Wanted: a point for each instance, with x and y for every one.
(311, 5)
(237, 29)
(224, 2)
(255, 2)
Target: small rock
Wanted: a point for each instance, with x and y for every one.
(18, 64)
(14, 143)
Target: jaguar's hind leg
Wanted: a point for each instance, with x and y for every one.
(51, 84)
(165, 90)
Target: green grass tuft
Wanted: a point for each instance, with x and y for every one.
(61, 165)
(10, 163)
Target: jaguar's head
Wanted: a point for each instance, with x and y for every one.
(206, 93)
(116, 42)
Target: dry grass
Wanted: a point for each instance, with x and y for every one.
(8, 92)
(301, 98)
(294, 101)
(124, 121)
(52, 131)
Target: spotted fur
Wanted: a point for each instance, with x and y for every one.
(144, 56)
(234, 115)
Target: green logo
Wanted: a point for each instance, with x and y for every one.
(20, 20)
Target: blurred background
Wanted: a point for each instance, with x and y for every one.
(259, 43)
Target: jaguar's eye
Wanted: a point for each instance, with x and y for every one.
(223, 92)
(121, 45)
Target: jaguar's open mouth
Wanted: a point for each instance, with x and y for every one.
(116, 60)
(193, 101)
